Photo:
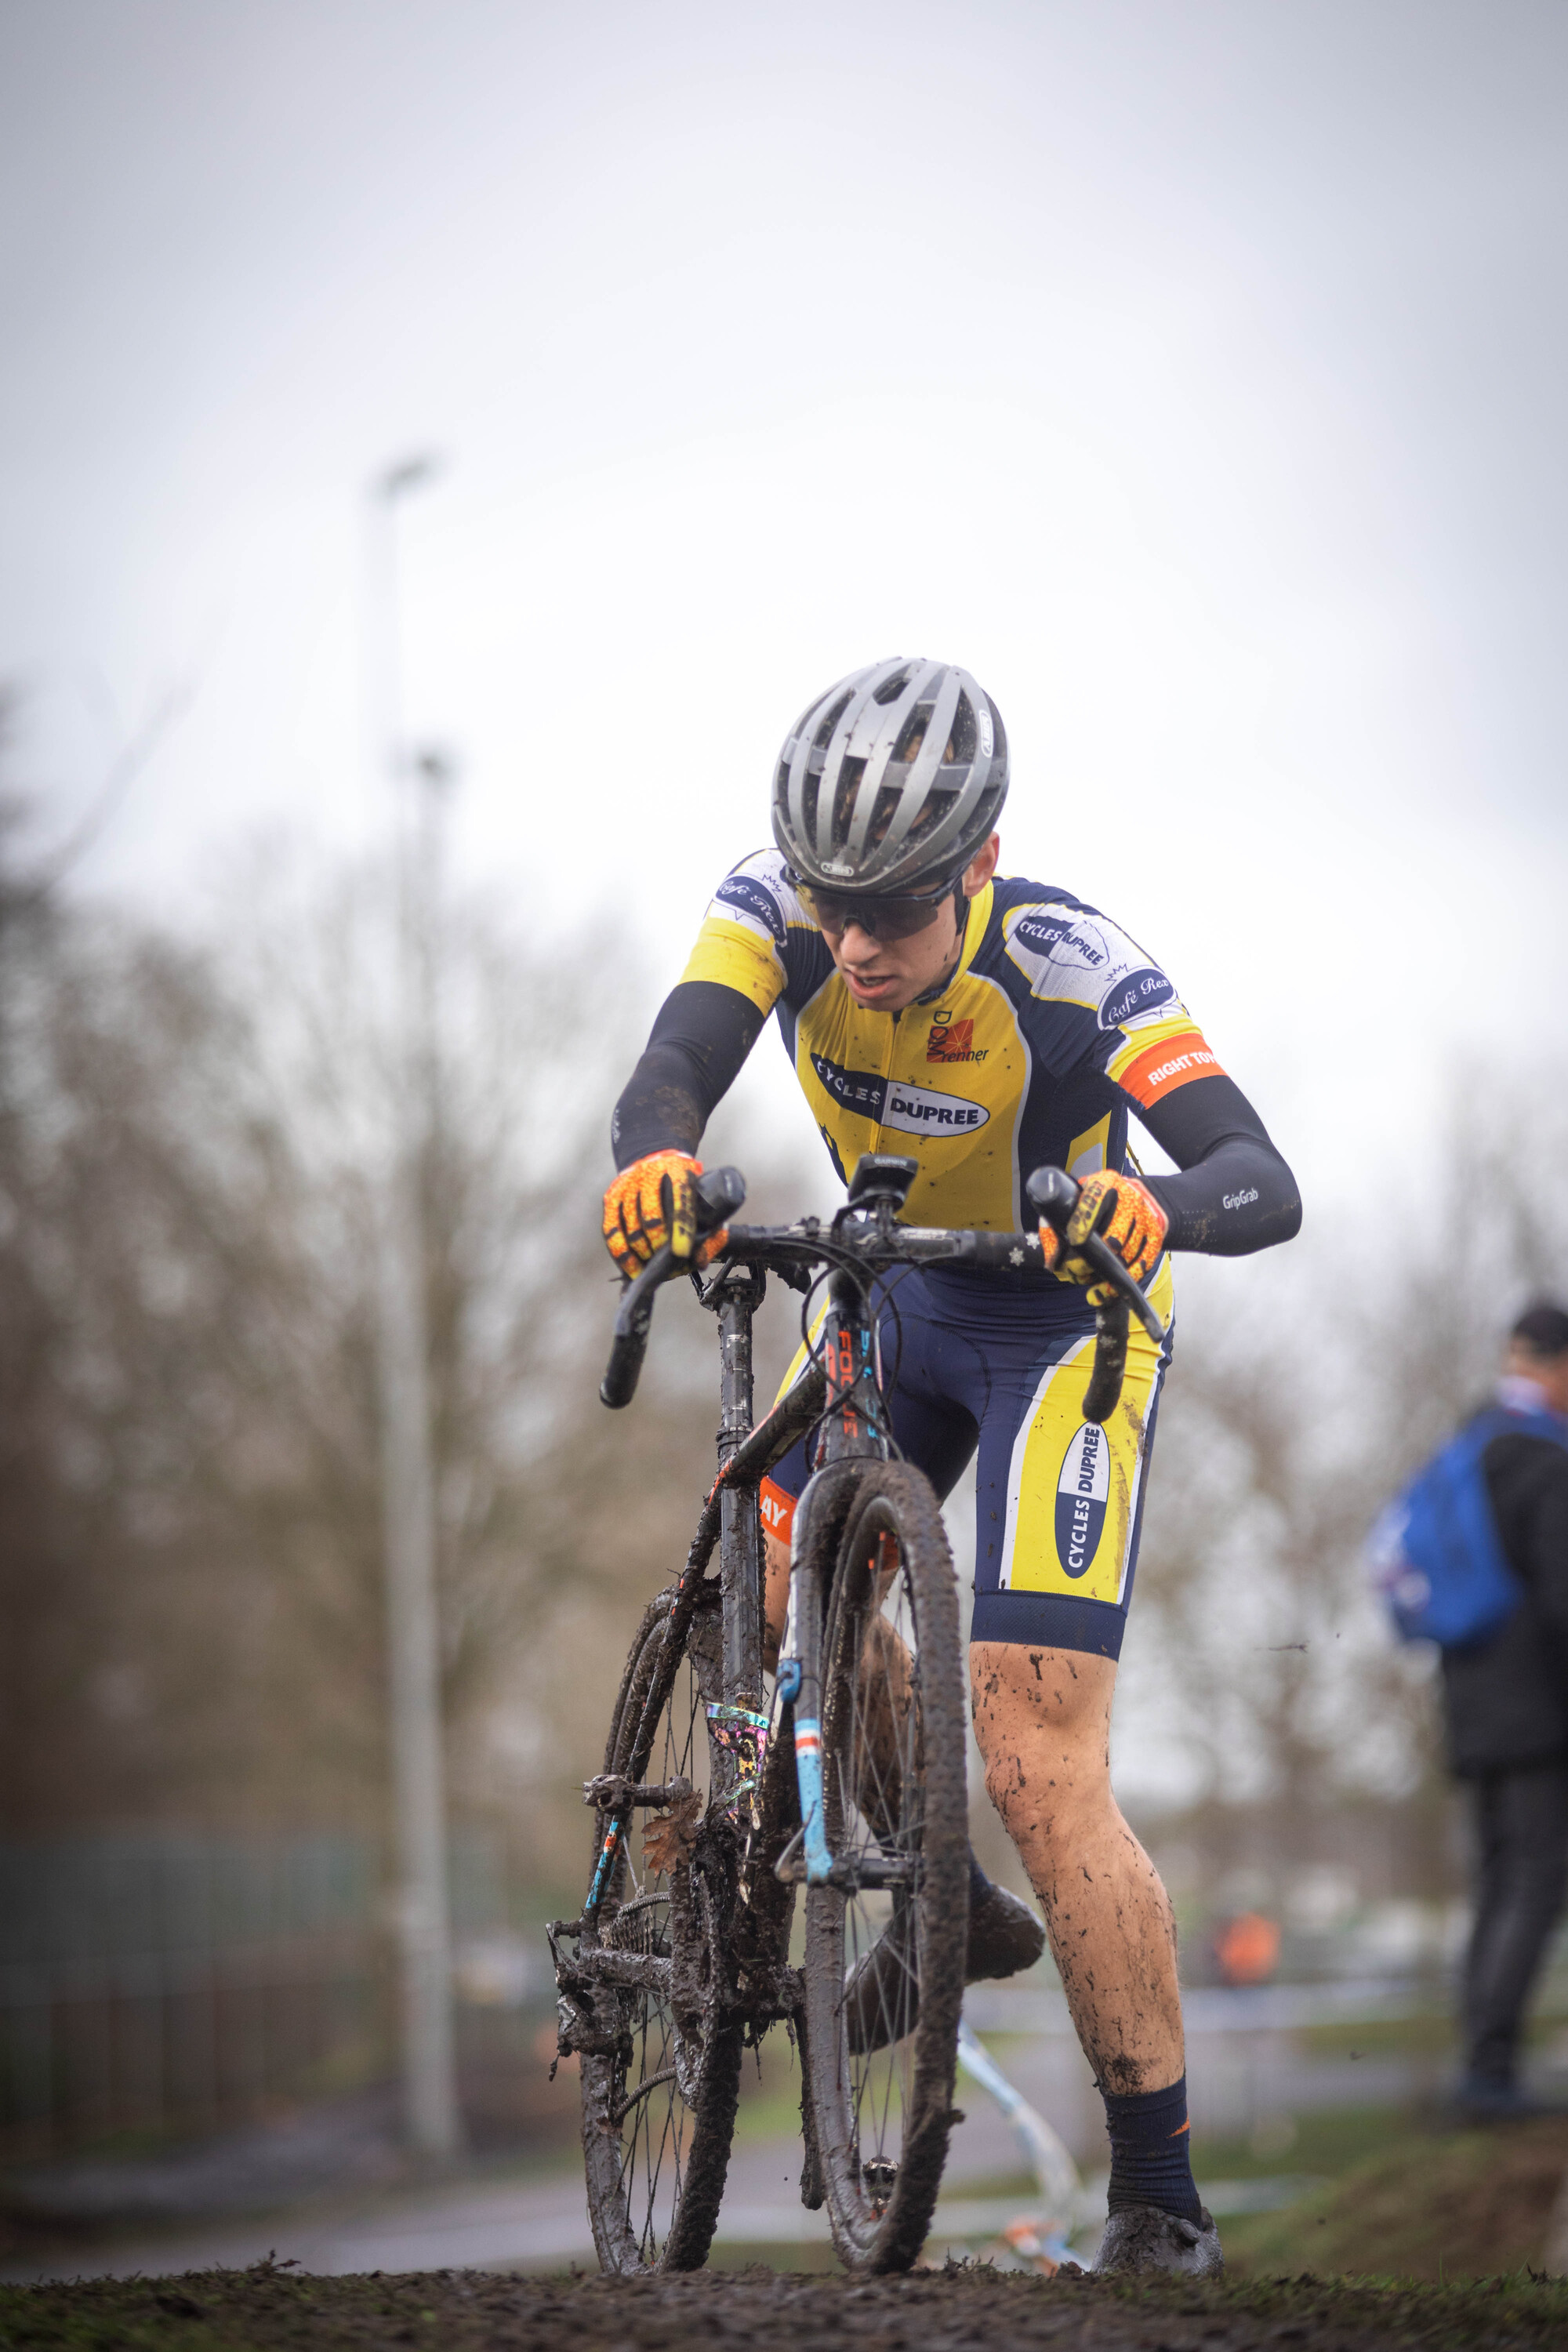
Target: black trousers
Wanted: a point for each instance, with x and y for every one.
(1521, 1821)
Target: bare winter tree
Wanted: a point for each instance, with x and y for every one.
(190, 1138)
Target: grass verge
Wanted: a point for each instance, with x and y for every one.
(1436, 2205)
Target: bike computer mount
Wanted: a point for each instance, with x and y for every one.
(881, 1180)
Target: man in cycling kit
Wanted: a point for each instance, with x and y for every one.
(985, 1028)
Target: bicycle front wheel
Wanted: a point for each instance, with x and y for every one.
(885, 1956)
(658, 2108)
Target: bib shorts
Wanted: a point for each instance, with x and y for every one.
(978, 1363)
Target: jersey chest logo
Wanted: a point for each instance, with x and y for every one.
(893, 1102)
(953, 1040)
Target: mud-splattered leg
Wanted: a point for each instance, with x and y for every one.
(1043, 1721)
(776, 1596)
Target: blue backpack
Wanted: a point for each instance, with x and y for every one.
(1435, 1554)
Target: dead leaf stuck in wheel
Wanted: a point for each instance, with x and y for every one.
(670, 1839)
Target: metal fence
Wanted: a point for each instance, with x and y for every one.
(180, 1981)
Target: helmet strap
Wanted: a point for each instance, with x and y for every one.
(960, 914)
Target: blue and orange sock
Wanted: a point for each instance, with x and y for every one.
(1150, 2150)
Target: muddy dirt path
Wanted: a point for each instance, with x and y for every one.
(961, 2309)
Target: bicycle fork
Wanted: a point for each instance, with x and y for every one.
(851, 1431)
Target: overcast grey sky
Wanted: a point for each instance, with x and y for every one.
(1192, 373)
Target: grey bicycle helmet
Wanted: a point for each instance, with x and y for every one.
(891, 779)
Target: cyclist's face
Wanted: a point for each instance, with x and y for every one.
(891, 973)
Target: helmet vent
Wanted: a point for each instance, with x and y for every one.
(961, 741)
(849, 777)
(824, 735)
(882, 816)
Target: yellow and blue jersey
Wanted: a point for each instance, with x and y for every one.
(1051, 1028)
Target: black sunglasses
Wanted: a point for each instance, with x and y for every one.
(883, 918)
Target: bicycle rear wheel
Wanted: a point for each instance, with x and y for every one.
(659, 2094)
(884, 1966)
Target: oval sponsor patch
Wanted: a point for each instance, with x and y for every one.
(1062, 940)
(1082, 1490)
(751, 898)
(921, 1110)
(1136, 995)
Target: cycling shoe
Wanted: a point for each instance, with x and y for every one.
(881, 1998)
(1145, 2239)
(1004, 1936)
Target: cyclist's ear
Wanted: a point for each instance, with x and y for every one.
(981, 867)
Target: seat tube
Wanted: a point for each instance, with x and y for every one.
(741, 1553)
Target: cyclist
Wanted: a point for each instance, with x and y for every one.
(985, 1028)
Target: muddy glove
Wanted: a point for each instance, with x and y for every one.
(653, 1201)
(1123, 1211)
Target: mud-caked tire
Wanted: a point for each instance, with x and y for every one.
(880, 2078)
(660, 2093)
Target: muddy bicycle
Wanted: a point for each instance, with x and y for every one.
(716, 1803)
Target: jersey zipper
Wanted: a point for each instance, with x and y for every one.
(887, 1070)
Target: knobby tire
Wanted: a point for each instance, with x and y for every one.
(894, 1782)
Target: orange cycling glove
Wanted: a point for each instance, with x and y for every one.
(651, 1203)
(1122, 1212)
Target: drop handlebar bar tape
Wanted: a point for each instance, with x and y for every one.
(629, 1344)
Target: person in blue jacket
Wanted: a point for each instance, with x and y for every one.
(1506, 1700)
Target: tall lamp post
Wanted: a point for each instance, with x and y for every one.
(408, 1494)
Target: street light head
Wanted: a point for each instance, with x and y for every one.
(409, 474)
(437, 768)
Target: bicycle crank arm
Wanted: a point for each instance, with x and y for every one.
(851, 1874)
(633, 1971)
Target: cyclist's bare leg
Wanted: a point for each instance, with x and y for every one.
(776, 1596)
(1043, 1721)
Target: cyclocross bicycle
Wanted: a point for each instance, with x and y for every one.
(716, 1804)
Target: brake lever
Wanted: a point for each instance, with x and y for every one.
(1104, 1260)
(1054, 1194)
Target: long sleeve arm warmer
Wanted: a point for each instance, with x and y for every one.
(1234, 1193)
(703, 1034)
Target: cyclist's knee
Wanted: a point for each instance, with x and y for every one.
(1042, 1720)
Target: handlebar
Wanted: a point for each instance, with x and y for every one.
(1051, 1191)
